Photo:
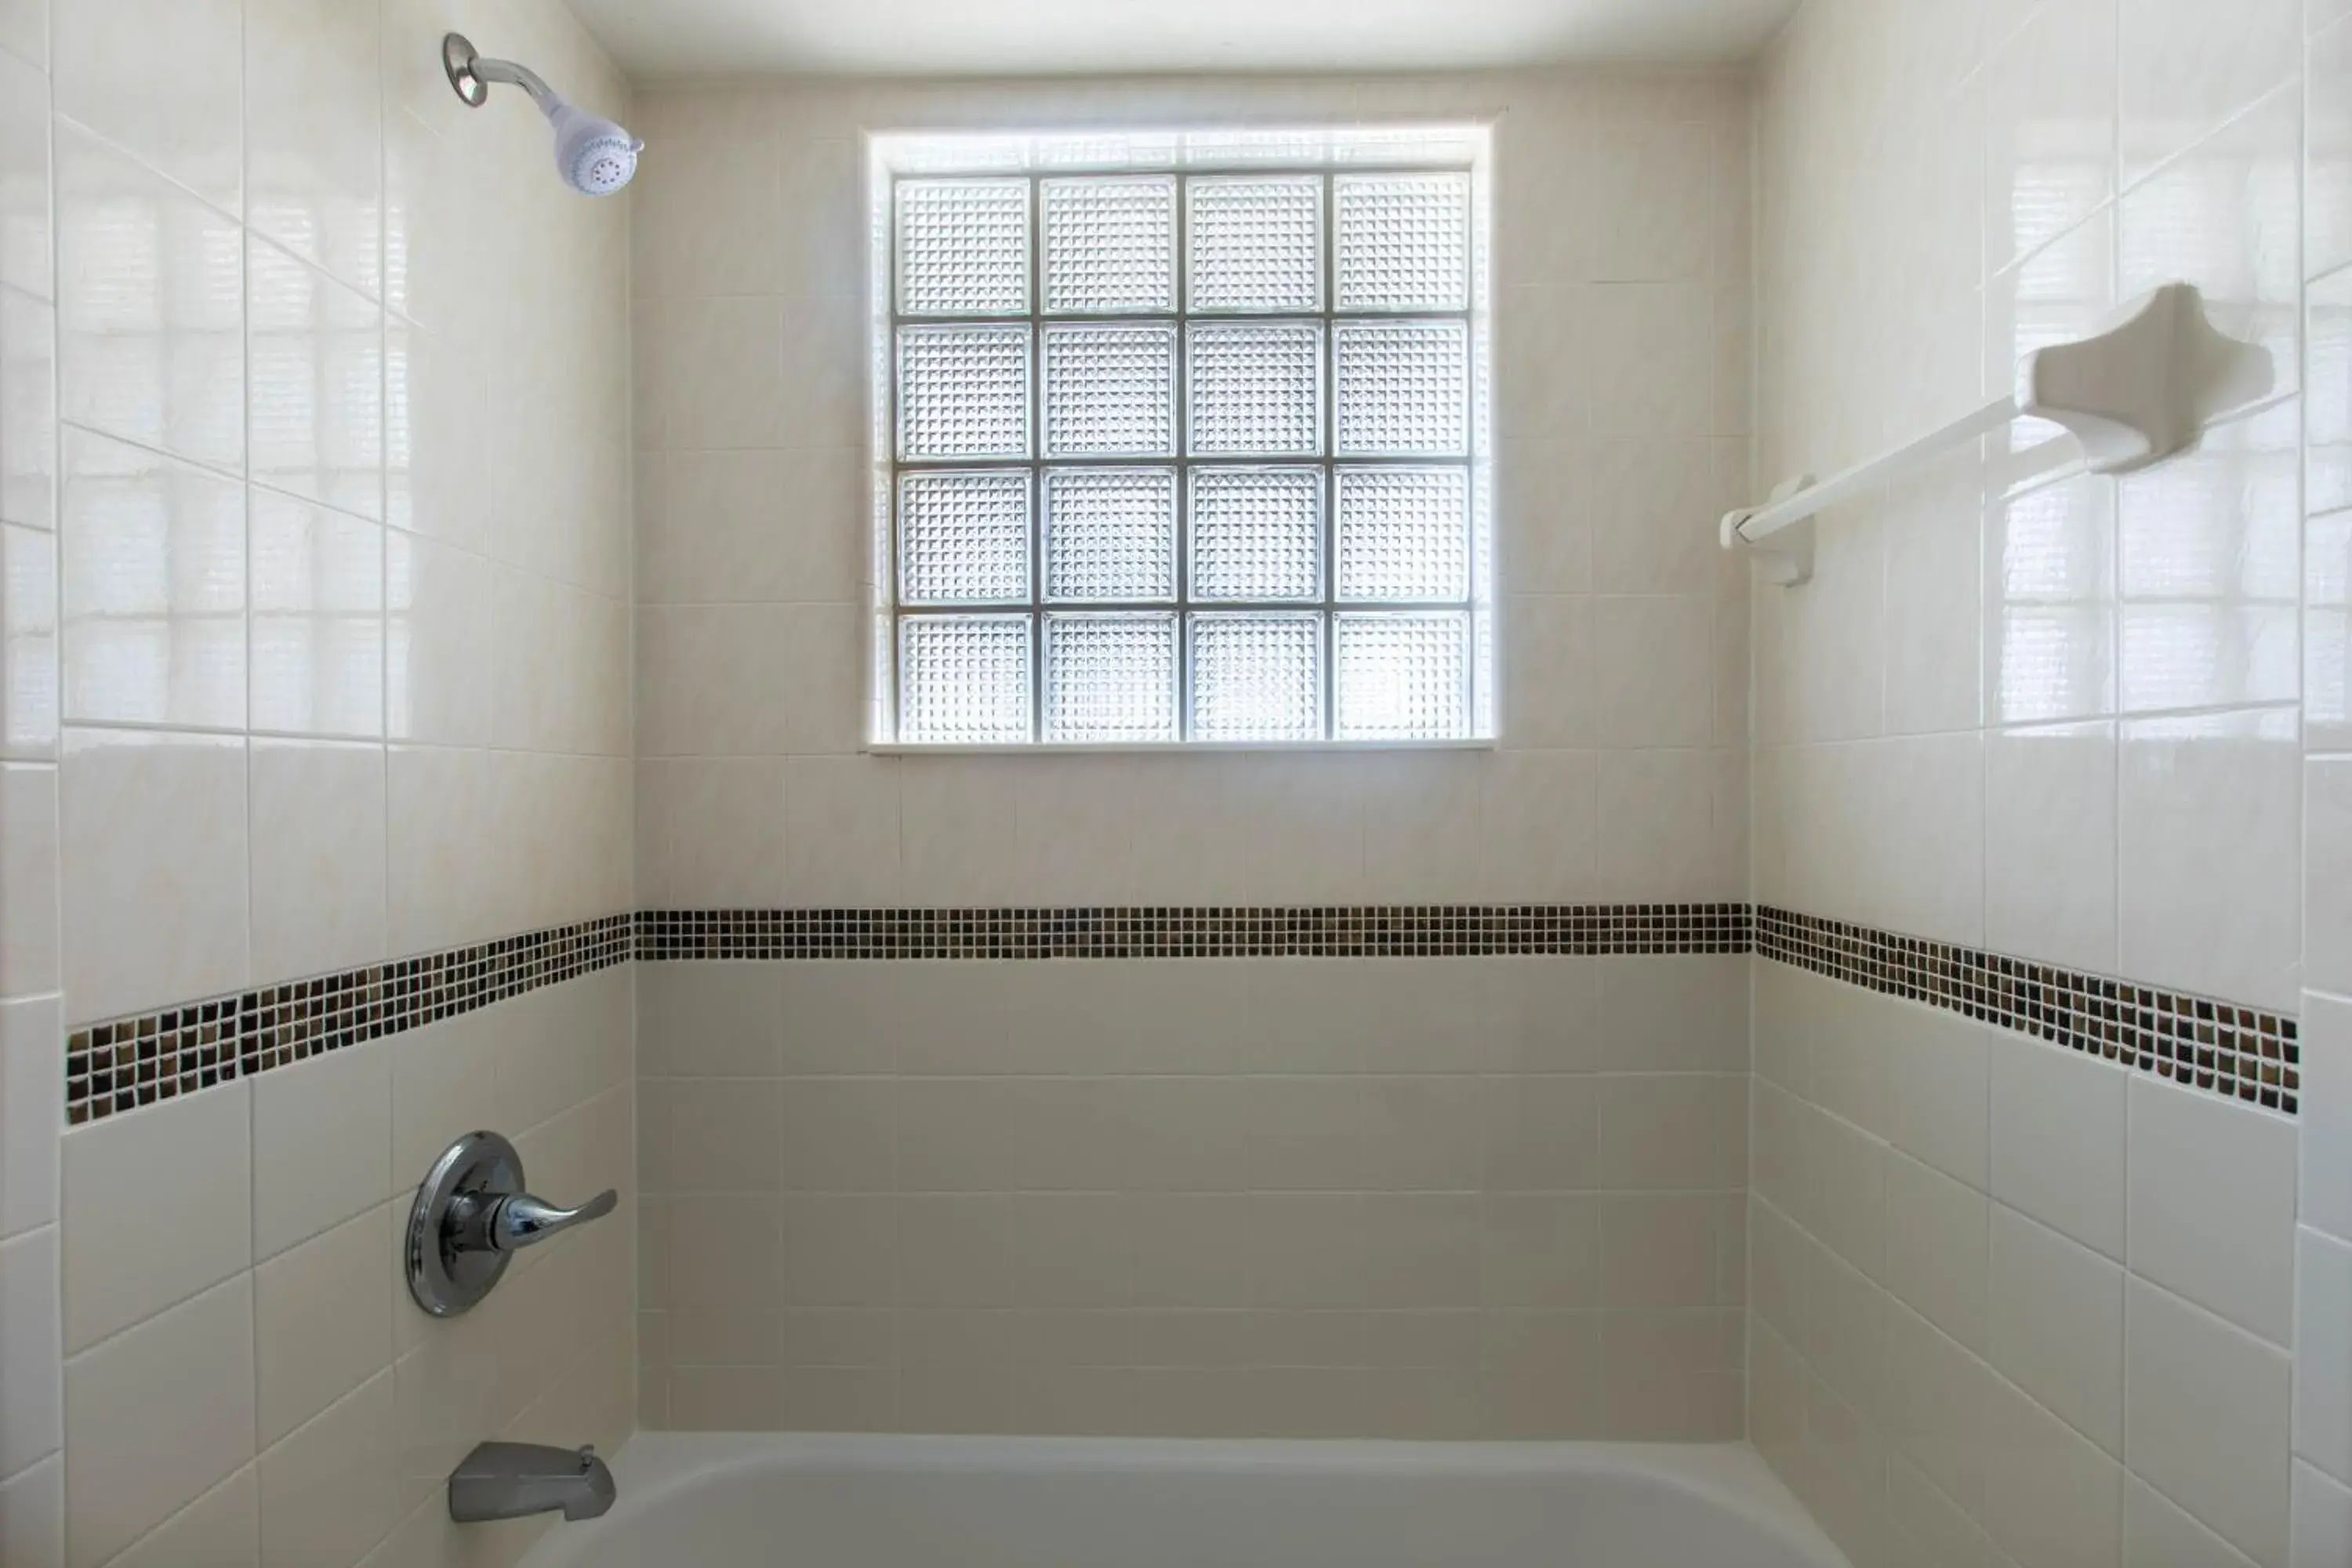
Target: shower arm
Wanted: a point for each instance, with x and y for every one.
(471, 74)
(522, 77)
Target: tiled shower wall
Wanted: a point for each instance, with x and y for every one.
(1619, 777)
(1275, 1197)
(313, 464)
(1410, 1197)
(2013, 1303)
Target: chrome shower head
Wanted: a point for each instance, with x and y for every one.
(595, 157)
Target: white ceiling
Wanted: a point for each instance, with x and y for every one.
(652, 39)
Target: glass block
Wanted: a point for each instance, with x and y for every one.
(1256, 243)
(1404, 388)
(1110, 245)
(963, 539)
(963, 247)
(1257, 533)
(1257, 678)
(1402, 677)
(1482, 672)
(1110, 392)
(1403, 533)
(963, 391)
(1257, 390)
(963, 680)
(1403, 242)
(1110, 678)
(1110, 534)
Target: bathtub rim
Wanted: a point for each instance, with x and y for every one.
(653, 1467)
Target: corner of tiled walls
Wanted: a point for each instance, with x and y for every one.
(32, 1020)
(313, 654)
(2323, 1394)
(2015, 1303)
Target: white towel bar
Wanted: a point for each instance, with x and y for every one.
(2134, 393)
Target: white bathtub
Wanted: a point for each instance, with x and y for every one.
(731, 1500)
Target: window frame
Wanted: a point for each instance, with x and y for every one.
(1213, 154)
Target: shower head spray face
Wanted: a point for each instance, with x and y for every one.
(595, 157)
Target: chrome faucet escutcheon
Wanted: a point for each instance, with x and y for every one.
(471, 1216)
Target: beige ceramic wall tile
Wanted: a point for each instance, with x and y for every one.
(312, 147)
(2207, 1420)
(317, 628)
(322, 1323)
(33, 1426)
(137, 1245)
(152, 588)
(28, 895)
(150, 312)
(223, 1527)
(32, 1087)
(29, 409)
(156, 1416)
(28, 629)
(318, 873)
(152, 821)
(2327, 196)
(2230, 1250)
(322, 1137)
(164, 81)
(331, 1489)
(2056, 1324)
(2173, 834)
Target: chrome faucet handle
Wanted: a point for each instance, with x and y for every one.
(471, 1216)
(525, 1221)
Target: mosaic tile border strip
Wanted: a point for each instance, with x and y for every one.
(2240, 1053)
(2200, 1042)
(124, 1063)
(1378, 931)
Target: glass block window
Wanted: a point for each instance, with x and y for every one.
(1183, 455)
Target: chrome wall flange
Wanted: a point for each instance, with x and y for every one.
(471, 1216)
(458, 57)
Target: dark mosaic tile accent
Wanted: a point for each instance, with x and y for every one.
(1432, 930)
(2240, 1053)
(123, 1063)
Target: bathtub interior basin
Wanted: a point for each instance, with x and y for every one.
(761, 1500)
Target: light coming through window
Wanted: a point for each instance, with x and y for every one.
(1187, 455)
